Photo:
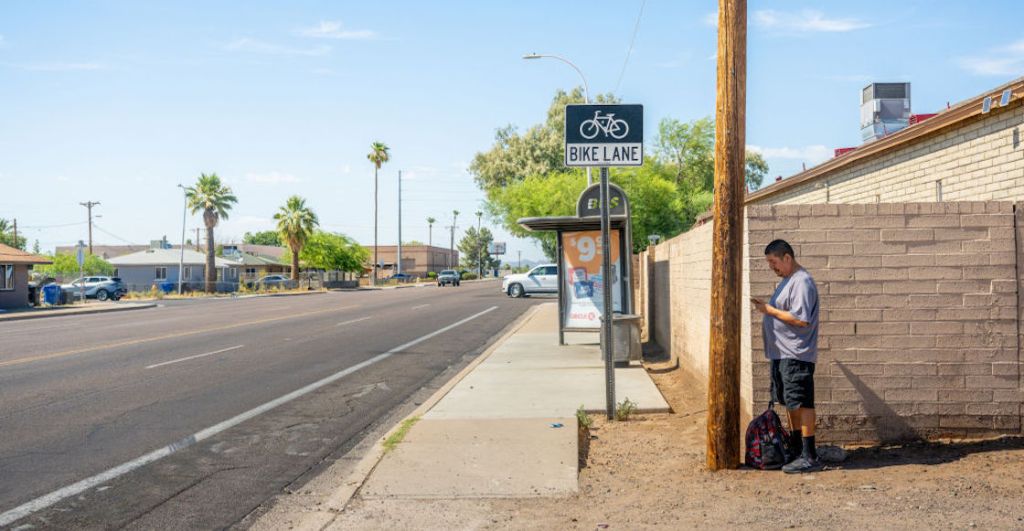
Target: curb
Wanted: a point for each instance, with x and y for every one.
(339, 499)
(59, 313)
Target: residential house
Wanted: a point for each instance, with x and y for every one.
(142, 270)
(14, 267)
(253, 266)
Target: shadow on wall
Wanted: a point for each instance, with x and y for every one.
(662, 298)
(888, 425)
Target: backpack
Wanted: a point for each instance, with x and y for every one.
(767, 441)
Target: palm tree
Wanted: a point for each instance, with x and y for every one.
(430, 240)
(215, 200)
(378, 156)
(451, 249)
(295, 224)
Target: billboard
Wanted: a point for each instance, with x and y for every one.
(584, 280)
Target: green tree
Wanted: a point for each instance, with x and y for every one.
(756, 169)
(265, 237)
(65, 266)
(7, 235)
(35, 248)
(214, 200)
(430, 231)
(379, 154)
(473, 247)
(295, 224)
(331, 251)
(689, 149)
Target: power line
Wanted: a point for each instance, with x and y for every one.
(40, 227)
(112, 235)
(636, 28)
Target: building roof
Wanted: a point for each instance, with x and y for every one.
(270, 251)
(969, 109)
(10, 255)
(167, 257)
(254, 260)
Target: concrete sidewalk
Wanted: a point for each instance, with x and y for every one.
(508, 428)
(58, 311)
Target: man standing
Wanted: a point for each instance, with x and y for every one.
(790, 330)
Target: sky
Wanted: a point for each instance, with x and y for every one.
(120, 101)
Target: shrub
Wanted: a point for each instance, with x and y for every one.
(466, 275)
(431, 274)
(624, 409)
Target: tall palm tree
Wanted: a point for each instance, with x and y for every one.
(214, 200)
(295, 224)
(430, 240)
(451, 249)
(378, 156)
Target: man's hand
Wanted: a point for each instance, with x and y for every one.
(760, 305)
(772, 311)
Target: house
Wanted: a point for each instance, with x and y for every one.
(142, 270)
(253, 266)
(14, 267)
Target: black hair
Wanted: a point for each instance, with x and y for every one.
(779, 248)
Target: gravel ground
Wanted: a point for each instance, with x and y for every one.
(648, 473)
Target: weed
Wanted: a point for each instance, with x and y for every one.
(395, 438)
(584, 420)
(624, 409)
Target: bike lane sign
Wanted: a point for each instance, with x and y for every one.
(604, 135)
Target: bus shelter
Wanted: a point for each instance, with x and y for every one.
(581, 280)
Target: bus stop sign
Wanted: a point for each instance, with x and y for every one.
(604, 135)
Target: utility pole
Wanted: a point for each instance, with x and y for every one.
(16, 234)
(451, 248)
(723, 416)
(398, 261)
(88, 205)
(479, 244)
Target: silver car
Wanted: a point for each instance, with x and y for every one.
(99, 288)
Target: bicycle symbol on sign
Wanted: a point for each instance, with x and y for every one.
(607, 124)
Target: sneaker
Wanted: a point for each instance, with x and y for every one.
(802, 465)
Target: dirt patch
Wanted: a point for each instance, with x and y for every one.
(649, 473)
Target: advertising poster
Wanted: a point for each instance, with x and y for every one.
(584, 280)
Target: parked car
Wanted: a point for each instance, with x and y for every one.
(541, 279)
(99, 288)
(400, 277)
(274, 282)
(448, 276)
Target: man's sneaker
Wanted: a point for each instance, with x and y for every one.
(802, 465)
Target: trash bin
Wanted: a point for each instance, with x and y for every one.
(166, 287)
(625, 338)
(51, 294)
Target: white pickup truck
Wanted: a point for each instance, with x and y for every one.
(541, 279)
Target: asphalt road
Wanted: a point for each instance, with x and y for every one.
(82, 395)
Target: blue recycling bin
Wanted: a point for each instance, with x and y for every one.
(51, 293)
(167, 287)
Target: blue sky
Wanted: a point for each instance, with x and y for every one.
(119, 101)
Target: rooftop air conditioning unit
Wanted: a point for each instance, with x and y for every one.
(884, 109)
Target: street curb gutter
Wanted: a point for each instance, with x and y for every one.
(339, 499)
(59, 313)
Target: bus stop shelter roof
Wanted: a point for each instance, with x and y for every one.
(570, 223)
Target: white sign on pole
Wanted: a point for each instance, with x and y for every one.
(604, 135)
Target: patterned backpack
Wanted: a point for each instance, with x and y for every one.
(767, 441)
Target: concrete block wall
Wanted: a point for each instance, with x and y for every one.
(919, 313)
(980, 160)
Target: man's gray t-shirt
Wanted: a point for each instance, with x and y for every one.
(798, 295)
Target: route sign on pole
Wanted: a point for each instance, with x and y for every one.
(604, 135)
(496, 248)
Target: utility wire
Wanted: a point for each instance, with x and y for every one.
(632, 41)
(112, 235)
(53, 226)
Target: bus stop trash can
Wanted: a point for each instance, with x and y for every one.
(626, 345)
(51, 294)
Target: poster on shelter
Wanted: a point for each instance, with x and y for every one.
(584, 280)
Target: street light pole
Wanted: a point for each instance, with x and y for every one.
(398, 261)
(181, 260)
(479, 245)
(586, 88)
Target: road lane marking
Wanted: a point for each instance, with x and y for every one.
(131, 342)
(75, 489)
(236, 347)
(343, 323)
(419, 306)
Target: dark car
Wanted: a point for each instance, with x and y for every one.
(274, 282)
(400, 277)
(448, 276)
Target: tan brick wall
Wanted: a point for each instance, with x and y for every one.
(980, 160)
(919, 315)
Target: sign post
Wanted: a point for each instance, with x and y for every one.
(80, 256)
(603, 136)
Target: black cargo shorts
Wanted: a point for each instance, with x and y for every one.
(793, 383)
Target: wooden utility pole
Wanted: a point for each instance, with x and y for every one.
(723, 419)
(88, 205)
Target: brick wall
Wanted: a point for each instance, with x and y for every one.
(919, 313)
(980, 160)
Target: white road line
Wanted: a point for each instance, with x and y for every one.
(419, 306)
(194, 357)
(343, 323)
(75, 489)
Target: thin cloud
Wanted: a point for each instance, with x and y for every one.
(247, 45)
(334, 30)
(1001, 61)
(813, 154)
(711, 19)
(274, 177)
(810, 21)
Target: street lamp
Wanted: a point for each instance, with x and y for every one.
(181, 260)
(586, 88)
